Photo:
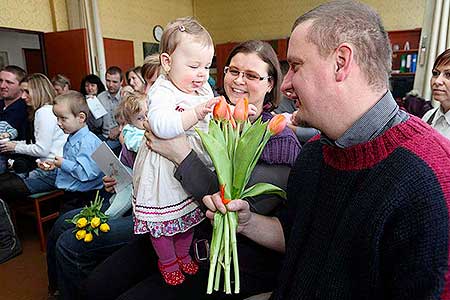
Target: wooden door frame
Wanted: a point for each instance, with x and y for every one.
(41, 42)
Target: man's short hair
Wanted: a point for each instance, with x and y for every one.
(115, 70)
(336, 22)
(16, 70)
(75, 101)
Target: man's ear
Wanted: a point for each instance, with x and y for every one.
(344, 60)
(82, 116)
(166, 62)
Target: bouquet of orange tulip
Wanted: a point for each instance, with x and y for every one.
(89, 221)
(234, 145)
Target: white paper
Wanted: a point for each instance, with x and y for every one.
(96, 107)
(108, 162)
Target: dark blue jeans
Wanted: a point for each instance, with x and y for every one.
(69, 260)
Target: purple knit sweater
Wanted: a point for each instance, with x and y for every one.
(282, 148)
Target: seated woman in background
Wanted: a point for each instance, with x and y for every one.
(61, 84)
(49, 140)
(439, 117)
(252, 71)
(91, 85)
(135, 79)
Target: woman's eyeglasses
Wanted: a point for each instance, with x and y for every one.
(252, 76)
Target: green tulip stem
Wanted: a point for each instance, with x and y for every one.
(219, 267)
(227, 265)
(233, 219)
(215, 248)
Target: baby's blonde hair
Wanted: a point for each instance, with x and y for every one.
(131, 104)
(183, 27)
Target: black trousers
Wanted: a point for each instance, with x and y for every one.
(132, 273)
(73, 200)
(12, 187)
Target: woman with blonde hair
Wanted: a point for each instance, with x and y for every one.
(48, 139)
(61, 84)
(151, 69)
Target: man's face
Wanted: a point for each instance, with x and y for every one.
(309, 80)
(9, 86)
(113, 83)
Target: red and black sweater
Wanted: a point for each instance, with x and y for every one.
(369, 221)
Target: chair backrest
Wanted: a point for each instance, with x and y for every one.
(416, 105)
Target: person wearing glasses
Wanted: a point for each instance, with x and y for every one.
(253, 72)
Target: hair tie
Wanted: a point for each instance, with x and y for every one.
(181, 28)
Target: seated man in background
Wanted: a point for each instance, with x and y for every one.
(12, 107)
(106, 127)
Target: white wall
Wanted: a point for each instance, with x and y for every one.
(13, 42)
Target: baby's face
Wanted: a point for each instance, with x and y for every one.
(139, 119)
(189, 66)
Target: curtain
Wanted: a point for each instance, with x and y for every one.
(435, 38)
(84, 14)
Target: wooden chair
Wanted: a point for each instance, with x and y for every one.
(35, 208)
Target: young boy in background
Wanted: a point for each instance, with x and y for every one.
(78, 174)
(7, 133)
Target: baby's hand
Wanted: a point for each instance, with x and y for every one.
(205, 108)
(294, 120)
(252, 110)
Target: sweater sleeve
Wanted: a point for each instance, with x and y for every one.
(132, 137)
(44, 126)
(11, 130)
(196, 179)
(164, 120)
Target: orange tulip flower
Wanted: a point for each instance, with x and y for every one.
(221, 110)
(277, 124)
(240, 113)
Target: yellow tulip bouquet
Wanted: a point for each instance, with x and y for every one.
(89, 221)
(234, 145)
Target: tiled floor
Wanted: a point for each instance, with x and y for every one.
(25, 276)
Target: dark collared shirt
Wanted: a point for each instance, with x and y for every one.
(382, 116)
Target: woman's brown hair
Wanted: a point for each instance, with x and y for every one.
(266, 53)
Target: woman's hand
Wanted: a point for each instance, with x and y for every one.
(109, 183)
(175, 149)
(7, 147)
(214, 203)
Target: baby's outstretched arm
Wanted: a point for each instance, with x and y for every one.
(190, 117)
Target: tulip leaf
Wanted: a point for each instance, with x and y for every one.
(246, 152)
(215, 131)
(220, 159)
(247, 125)
(231, 140)
(263, 188)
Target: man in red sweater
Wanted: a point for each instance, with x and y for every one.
(367, 208)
